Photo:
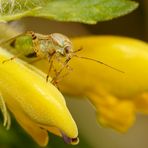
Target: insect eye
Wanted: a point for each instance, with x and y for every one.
(67, 49)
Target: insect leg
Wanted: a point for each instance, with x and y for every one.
(6, 116)
(61, 62)
(59, 72)
(12, 58)
(51, 57)
(50, 67)
(59, 78)
(63, 76)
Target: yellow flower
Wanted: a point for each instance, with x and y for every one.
(37, 105)
(116, 96)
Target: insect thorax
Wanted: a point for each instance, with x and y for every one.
(43, 48)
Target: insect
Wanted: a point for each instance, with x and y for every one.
(51, 47)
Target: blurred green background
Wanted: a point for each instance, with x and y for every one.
(91, 135)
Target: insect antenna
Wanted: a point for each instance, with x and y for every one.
(78, 50)
(100, 62)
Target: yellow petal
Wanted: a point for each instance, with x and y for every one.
(126, 54)
(33, 129)
(25, 90)
(141, 103)
(112, 112)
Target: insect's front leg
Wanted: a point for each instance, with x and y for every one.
(6, 116)
(54, 80)
(50, 60)
(59, 78)
(62, 63)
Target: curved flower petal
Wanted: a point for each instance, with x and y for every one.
(116, 96)
(32, 128)
(112, 112)
(28, 96)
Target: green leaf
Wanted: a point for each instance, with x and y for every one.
(86, 11)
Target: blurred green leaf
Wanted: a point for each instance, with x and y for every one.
(86, 11)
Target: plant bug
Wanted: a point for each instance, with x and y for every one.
(51, 47)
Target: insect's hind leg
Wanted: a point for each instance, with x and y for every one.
(5, 113)
(12, 58)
